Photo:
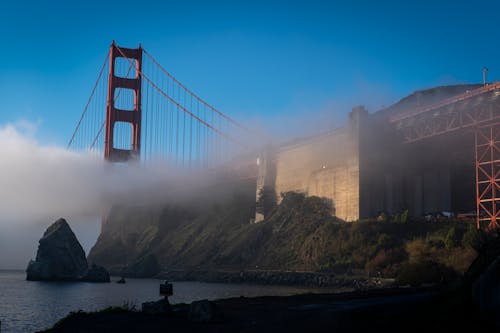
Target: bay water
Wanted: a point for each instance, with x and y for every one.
(29, 306)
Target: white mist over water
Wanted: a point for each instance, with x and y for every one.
(39, 184)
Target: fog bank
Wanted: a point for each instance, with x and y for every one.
(39, 184)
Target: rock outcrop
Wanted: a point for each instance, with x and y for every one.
(97, 274)
(60, 257)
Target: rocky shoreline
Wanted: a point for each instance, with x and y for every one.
(287, 278)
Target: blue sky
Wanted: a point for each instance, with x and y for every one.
(251, 59)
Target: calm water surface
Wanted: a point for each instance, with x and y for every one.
(27, 306)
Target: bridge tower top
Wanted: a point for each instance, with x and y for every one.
(128, 114)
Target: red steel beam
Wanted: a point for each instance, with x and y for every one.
(448, 120)
(487, 150)
(445, 102)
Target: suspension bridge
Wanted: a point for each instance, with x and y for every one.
(151, 116)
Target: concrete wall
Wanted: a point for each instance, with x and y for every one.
(326, 166)
(365, 168)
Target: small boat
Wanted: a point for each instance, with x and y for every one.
(122, 280)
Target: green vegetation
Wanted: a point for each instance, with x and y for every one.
(299, 234)
(425, 272)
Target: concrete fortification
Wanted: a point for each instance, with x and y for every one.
(364, 168)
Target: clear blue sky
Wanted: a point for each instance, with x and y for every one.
(248, 58)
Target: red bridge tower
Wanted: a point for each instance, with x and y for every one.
(114, 114)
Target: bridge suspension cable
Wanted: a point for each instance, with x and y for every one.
(190, 92)
(89, 109)
(177, 125)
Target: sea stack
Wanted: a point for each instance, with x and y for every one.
(60, 257)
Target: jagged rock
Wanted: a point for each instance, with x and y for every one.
(157, 307)
(60, 257)
(202, 311)
(146, 266)
(97, 274)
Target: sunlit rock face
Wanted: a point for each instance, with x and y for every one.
(60, 257)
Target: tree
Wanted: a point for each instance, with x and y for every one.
(266, 201)
(452, 238)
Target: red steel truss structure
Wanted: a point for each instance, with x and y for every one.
(114, 114)
(477, 110)
(487, 143)
(468, 110)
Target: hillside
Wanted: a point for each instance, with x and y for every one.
(299, 235)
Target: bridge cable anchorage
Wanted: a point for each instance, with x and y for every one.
(192, 93)
(178, 105)
(114, 100)
(88, 101)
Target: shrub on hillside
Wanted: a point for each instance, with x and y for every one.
(453, 238)
(472, 237)
(387, 241)
(420, 250)
(415, 274)
(400, 217)
(387, 262)
(298, 206)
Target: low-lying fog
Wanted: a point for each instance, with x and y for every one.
(39, 184)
